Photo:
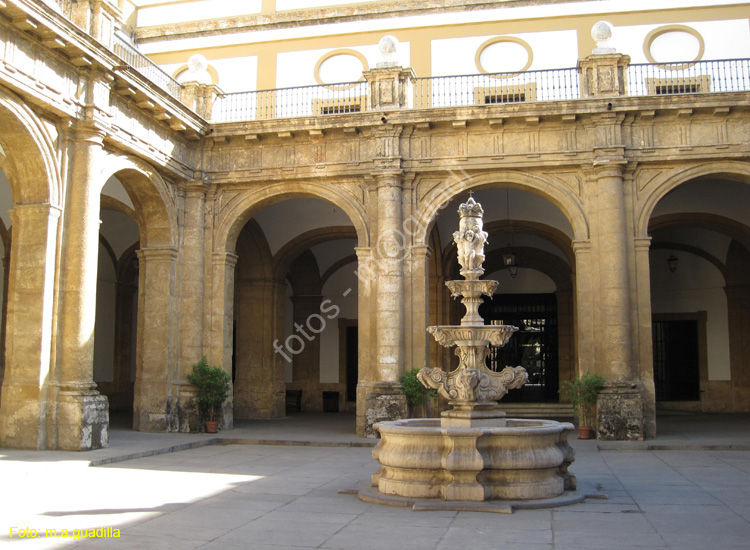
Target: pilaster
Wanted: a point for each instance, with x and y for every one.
(154, 409)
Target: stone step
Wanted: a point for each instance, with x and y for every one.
(551, 411)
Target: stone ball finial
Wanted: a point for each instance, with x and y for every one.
(197, 63)
(388, 47)
(197, 69)
(601, 32)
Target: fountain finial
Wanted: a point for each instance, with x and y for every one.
(470, 239)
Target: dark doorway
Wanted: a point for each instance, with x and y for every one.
(533, 347)
(352, 363)
(676, 360)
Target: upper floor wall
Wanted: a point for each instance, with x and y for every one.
(283, 45)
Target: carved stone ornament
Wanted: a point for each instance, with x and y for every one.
(468, 385)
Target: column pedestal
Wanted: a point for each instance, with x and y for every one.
(385, 401)
(82, 419)
(620, 413)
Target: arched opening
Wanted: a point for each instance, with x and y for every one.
(295, 310)
(699, 277)
(529, 252)
(134, 352)
(115, 333)
(29, 214)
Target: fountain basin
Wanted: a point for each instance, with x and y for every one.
(524, 460)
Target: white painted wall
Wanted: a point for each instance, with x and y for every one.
(523, 206)
(697, 285)
(723, 39)
(551, 49)
(299, 216)
(298, 68)
(337, 285)
(730, 199)
(236, 74)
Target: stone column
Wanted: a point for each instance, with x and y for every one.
(192, 279)
(387, 401)
(612, 239)
(82, 414)
(222, 320)
(28, 326)
(153, 407)
(586, 307)
(418, 313)
(366, 372)
(620, 405)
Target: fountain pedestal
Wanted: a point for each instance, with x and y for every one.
(473, 452)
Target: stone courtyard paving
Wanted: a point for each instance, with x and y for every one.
(282, 496)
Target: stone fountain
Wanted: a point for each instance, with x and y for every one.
(473, 452)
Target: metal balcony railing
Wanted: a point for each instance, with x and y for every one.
(146, 67)
(497, 88)
(688, 77)
(326, 99)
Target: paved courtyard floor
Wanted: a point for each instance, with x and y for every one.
(682, 490)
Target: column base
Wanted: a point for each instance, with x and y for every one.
(82, 420)
(620, 412)
(23, 417)
(386, 401)
(153, 408)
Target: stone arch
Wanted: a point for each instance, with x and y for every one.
(733, 170)
(35, 179)
(246, 205)
(564, 199)
(155, 210)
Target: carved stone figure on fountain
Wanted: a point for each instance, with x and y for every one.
(470, 239)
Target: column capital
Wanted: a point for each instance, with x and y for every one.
(642, 243)
(157, 253)
(613, 168)
(581, 246)
(195, 189)
(227, 258)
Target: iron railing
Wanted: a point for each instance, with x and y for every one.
(497, 88)
(326, 99)
(146, 67)
(724, 75)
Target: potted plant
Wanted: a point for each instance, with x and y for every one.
(212, 385)
(583, 393)
(417, 395)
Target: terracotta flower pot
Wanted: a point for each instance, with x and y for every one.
(212, 427)
(584, 432)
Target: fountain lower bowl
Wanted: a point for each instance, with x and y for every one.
(524, 460)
